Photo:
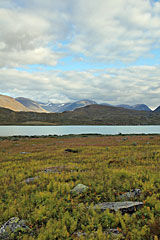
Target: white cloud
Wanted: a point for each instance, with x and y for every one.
(43, 32)
(101, 30)
(115, 30)
(130, 85)
(25, 38)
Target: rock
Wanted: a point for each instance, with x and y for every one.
(51, 170)
(71, 150)
(124, 207)
(80, 188)
(114, 233)
(13, 226)
(57, 169)
(24, 152)
(79, 234)
(125, 138)
(113, 230)
(28, 180)
(132, 194)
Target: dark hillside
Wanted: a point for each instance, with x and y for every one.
(89, 115)
(157, 109)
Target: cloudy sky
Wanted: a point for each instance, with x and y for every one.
(67, 50)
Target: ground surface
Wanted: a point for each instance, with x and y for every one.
(108, 165)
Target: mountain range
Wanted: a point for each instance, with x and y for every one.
(27, 105)
(62, 107)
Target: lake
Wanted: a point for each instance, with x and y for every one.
(65, 130)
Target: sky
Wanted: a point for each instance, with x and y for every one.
(68, 50)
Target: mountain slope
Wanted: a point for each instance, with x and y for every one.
(30, 104)
(11, 103)
(109, 115)
(77, 104)
(141, 107)
(138, 107)
(61, 107)
(157, 109)
(89, 115)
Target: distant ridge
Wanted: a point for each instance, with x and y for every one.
(138, 107)
(70, 106)
(157, 109)
(88, 115)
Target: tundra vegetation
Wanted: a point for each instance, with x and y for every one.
(37, 176)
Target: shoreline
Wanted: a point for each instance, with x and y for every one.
(17, 137)
(73, 124)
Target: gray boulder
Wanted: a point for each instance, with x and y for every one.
(125, 138)
(80, 188)
(124, 207)
(79, 234)
(114, 233)
(57, 169)
(24, 152)
(132, 194)
(28, 180)
(12, 227)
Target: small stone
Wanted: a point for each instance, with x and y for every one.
(114, 233)
(28, 180)
(71, 150)
(80, 188)
(79, 234)
(57, 169)
(132, 194)
(50, 170)
(24, 152)
(13, 226)
(125, 138)
(124, 207)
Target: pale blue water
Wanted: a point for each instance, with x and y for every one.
(65, 130)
